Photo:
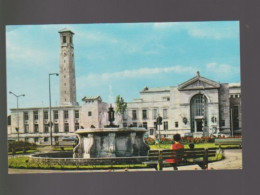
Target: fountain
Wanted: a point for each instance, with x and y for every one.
(110, 141)
(101, 146)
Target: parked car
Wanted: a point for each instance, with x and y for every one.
(70, 138)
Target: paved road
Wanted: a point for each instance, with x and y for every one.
(233, 160)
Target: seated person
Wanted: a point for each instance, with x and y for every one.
(191, 145)
(176, 146)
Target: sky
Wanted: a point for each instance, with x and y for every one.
(119, 58)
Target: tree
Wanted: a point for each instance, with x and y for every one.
(121, 106)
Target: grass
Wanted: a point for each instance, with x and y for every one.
(186, 146)
(65, 149)
(23, 163)
(21, 152)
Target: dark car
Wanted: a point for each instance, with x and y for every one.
(70, 138)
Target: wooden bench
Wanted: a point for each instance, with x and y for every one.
(156, 158)
(229, 141)
(62, 144)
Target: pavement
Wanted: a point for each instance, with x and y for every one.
(232, 161)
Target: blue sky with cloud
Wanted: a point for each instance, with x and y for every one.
(113, 59)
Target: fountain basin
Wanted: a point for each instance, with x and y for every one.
(110, 142)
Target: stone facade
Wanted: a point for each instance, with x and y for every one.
(67, 69)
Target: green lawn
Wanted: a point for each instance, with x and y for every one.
(21, 152)
(186, 146)
(23, 163)
(65, 149)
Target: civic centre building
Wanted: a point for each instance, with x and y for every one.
(198, 107)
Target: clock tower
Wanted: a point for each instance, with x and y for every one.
(67, 69)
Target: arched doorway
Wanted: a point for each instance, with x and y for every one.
(198, 112)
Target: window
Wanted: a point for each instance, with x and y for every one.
(46, 139)
(176, 124)
(165, 113)
(222, 123)
(76, 126)
(151, 131)
(26, 139)
(125, 115)
(89, 113)
(35, 115)
(70, 39)
(145, 125)
(36, 128)
(45, 115)
(76, 114)
(66, 128)
(168, 99)
(235, 117)
(135, 124)
(155, 125)
(56, 114)
(124, 124)
(165, 125)
(56, 128)
(56, 139)
(25, 116)
(46, 128)
(26, 128)
(66, 114)
(198, 107)
(154, 113)
(64, 39)
(36, 139)
(134, 115)
(144, 114)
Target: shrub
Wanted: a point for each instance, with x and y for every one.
(197, 140)
(164, 140)
(149, 141)
(20, 146)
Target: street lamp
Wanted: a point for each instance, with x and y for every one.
(50, 123)
(158, 123)
(17, 113)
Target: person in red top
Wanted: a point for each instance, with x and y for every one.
(176, 146)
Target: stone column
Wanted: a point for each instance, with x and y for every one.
(87, 144)
(132, 137)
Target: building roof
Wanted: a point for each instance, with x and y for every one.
(91, 98)
(155, 89)
(198, 82)
(65, 30)
(235, 85)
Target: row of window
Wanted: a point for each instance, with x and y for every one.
(47, 128)
(145, 114)
(45, 139)
(46, 114)
(144, 125)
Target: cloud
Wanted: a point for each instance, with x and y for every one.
(222, 69)
(137, 73)
(203, 30)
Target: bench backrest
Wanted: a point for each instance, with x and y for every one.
(181, 153)
(228, 141)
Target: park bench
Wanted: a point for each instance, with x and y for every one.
(62, 144)
(199, 156)
(229, 141)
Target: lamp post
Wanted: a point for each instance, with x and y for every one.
(50, 123)
(159, 122)
(17, 113)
